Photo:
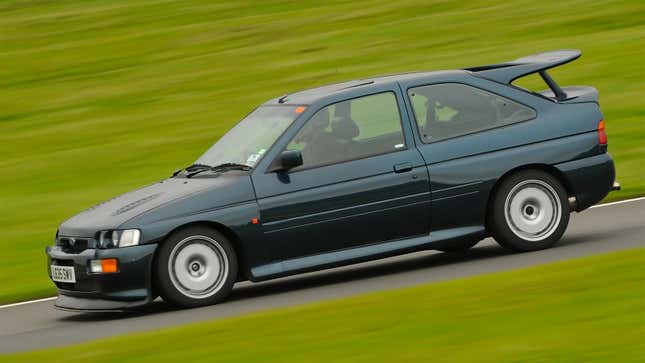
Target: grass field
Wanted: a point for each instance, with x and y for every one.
(584, 310)
(98, 97)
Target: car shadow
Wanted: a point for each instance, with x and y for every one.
(416, 261)
(394, 265)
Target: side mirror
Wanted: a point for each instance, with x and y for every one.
(289, 159)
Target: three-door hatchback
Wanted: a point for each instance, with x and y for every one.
(346, 173)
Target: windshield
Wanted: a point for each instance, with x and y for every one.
(252, 137)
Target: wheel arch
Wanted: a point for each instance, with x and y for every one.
(550, 169)
(227, 232)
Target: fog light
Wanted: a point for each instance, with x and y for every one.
(106, 266)
(95, 266)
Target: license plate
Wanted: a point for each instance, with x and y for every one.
(63, 274)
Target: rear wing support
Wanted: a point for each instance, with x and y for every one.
(557, 91)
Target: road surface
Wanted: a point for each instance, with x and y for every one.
(606, 228)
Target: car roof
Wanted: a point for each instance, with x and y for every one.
(312, 95)
(501, 73)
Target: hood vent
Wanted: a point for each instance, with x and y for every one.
(135, 204)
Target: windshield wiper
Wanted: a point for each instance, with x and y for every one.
(232, 166)
(219, 168)
(192, 167)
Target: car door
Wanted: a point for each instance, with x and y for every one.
(362, 181)
(467, 129)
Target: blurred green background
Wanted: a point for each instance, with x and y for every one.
(98, 97)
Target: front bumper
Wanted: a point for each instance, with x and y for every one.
(127, 288)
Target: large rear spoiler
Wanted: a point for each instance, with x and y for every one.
(537, 63)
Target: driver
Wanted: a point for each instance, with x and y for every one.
(321, 145)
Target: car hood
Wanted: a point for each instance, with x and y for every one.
(228, 188)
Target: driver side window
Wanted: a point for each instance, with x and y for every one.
(452, 109)
(350, 130)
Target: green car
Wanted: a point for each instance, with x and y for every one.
(347, 173)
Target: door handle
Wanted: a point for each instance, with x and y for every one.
(403, 167)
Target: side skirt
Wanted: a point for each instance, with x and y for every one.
(375, 251)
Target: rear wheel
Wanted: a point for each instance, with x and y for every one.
(530, 211)
(195, 266)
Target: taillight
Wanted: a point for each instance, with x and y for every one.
(602, 135)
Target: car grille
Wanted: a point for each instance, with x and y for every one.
(74, 244)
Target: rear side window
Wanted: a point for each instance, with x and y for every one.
(451, 109)
(350, 130)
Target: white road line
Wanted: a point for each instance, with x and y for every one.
(54, 297)
(618, 202)
(27, 302)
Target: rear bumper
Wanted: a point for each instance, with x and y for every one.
(127, 288)
(590, 179)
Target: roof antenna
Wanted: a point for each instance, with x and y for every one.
(283, 99)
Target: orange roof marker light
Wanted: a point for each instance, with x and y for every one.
(300, 109)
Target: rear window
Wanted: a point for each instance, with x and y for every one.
(452, 109)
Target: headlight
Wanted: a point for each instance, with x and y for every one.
(119, 238)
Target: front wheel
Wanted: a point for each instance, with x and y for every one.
(195, 266)
(530, 211)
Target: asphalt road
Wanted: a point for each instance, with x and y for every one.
(598, 230)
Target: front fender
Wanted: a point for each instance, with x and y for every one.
(235, 218)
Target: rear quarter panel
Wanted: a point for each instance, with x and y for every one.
(463, 170)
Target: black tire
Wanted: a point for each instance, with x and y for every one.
(207, 255)
(459, 247)
(521, 204)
